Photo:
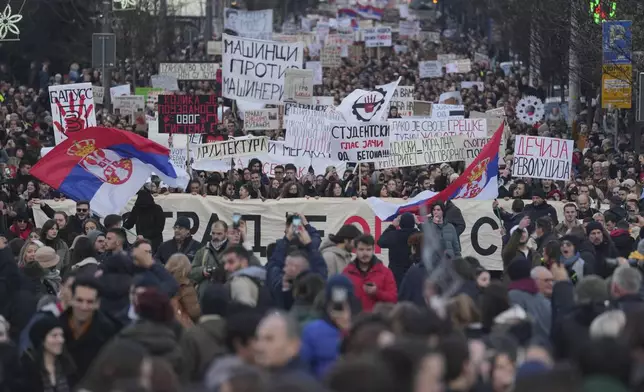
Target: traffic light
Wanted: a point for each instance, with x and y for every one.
(602, 10)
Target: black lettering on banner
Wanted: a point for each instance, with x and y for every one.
(207, 237)
(186, 114)
(486, 220)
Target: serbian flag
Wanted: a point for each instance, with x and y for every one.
(478, 182)
(105, 166)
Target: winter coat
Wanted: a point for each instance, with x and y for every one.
(31, 379)
(336, 258)
(200, 345)
(605, 250)
(576, 267)
(320, 346)
(448, 237)
(9, 367)
(148, 217)
(509, 221)
(538, 211)
(412, 286)
(511, 250)
(377, 274)
(85, 348)
(535, 305)
(623, 241)
(17, 295)
(206, 257)
(543, 241)
(87, 267)
(39, 284)
(399, 252)
(454, 216)
(62, 250)
(170, 247)
(15, 232)
(160, 340)
(304, 313)
(245, 285)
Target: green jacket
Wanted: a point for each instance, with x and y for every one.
(205, 257)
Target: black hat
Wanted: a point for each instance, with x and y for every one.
(573, 239)
(183, 222)
(519, 268)
(41, 328)
(594, 225)
(539, 193)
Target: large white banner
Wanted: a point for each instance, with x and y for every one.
(418, 152)
(254, 70)
(426, 128)
(249, 24)
(542, 157)
(265, 220)
(72, 108)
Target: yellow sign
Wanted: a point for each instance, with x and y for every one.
(617, 86)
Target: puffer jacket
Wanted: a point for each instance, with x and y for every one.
(336, 258)
(449, 238)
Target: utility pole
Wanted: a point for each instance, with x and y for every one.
(106, 72)
(208, 28)
(573, 67)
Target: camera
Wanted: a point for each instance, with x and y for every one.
(236, 220)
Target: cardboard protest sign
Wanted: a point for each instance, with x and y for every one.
(119, 91)
(298, 85)
(254, 70)
(444, 111)
(498, 112)
(307, 129)
(377, 37)
(190, 71)
(262, 119)
(403, 100)
(407, 29)
(179, 157)
(473, 148)
(359, 142)
(459, 66)
(231, 148)
(294, 107)
(542, 157)
(99, 92)
(166, 82)
(127, 105)
(430, 69)
(249, 24)
(418, 152)
(425, 128)
(316, 67)
(72, 108)
(470, 85)
(187, 114)
(422, 109)
(493, 122)
(446, 58)
(213, 48)
(331, 56)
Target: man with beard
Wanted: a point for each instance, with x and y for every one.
(584, 210)
(605, 251)
(540, 208)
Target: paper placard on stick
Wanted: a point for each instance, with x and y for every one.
(470, 85)
(129, 104)
(407, 29)
(254, 70)
(249, 24)
(430, 69)
(493, 122)
(307, 129)
(316, 67)
(331, 56)
(190, 71)
(445, 111)
(542, 157)
(187, 114)
(99, 93)
(298, 85)
(377, 37)
(425, 128)
(359, 142)
(119, 91)
(213, 48)
(445, 58)
(179, 157)
(72, 109)
(418, 152)
(263, 119)
(459, 66)
(232, 148)
(403, 100)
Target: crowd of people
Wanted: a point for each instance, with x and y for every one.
(82, 308)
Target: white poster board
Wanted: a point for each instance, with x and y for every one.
(190, 71)
(249, 24)
(262, 119)
(377, 37)
(72, 108)
(542, 157)
(298, 85)
(430, 69)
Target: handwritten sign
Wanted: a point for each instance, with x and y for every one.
(307, 129)
(359, 142)
(403, 100)
(377, 37)
(232, 148)
(418, 152)
(444, 111)
(542, 157)
(425, 128)
(298, 85)
(129, 104)
(430, 69)
(190, 71)
(470, 85)
(316, 67)
(250, 24)
(331, 56)
(262, 119)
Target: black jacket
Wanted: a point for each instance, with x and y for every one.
(537, 211)
(399, 254)
(148, 218)
(17, 295)
(168, 248)
(454, 216)
(412, 285)
(628, 303)
(605, 250)
(86, 348)
(623, 241)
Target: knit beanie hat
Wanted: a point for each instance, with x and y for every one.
(594, 225)
(519, 268)
(41, 328)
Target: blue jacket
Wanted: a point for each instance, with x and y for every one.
(399, 254)
(320, 346)
(411, 287)
(275, 267)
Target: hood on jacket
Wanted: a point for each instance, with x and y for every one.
(251, 272)
(144, 199)
(407, 221)
(329, 246)
(87, 261)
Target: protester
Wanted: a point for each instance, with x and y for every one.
(181, 243)
(336, 249)
(395, 239)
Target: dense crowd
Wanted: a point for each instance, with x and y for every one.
(82, 308)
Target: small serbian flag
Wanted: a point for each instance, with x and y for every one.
(478, 182)
(104, 166)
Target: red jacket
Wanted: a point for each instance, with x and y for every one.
(21, 234)
(379, 275)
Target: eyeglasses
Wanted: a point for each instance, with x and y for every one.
(81, 210)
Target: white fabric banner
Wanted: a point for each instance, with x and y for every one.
(72, 108)
(254, 70)
(265, 220)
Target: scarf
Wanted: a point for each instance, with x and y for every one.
(568, 262)
(52, 277)
(528, 285)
